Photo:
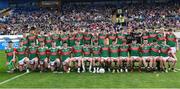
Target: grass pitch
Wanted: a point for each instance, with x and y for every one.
(88, 80)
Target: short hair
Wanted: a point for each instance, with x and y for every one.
(10, 42)
(32, 28)
(170, 30)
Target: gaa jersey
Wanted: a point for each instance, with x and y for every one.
(21, 51)
(152, 37)
(145, 36)
(25, 41)
(87, 38)
(145, 50)
(171, 40)
(164, 49)
(32, 52)
(155, 48)
(77, 51)
(79, 37)
(42, 53)
(135, 49)
(9, 54)
(65, 53)
(41, 38)
(48, 41)
(160, 38)
(101, 39)
(112, 37)
(31, 38)
(120, 37)
(96, 51)
(87, 51)
(53, 53)
(55, 38)
(105, 51)
(64, 37)
(71, 40)
(124, 50)
(114, 51)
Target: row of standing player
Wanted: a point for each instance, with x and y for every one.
(88, 37)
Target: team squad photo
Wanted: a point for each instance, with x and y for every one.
(97, 52)
(51, 44)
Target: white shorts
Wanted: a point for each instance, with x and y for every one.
(165, 58)
(123, 58)
(52, 63)
(76, 58)
(173, 49)
(41, 62)
(155, 57)
(32, 61)
(87, 59)
(134, 57)
(105, 58)
(66, 61)
(21, 62)
(115, 58)
(145, 58)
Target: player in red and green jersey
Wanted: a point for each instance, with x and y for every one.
(105, 53)
(152, 36)
(87, 37)
(41, 38)
(22, 57)
(77, 55)
(101, 37)
(164, 53)
(144, 36)
(161, 37)
(65, 53)
(24, 40)
(10, 55)
(146, 55)
(31, 37)
(172, 41)
(48, 40)
(87, 57)
(120, 36)
(79, 37)
(155, 50)
(105, 59)
(114, 55)
(96, 57)
(94, 39)
(135, 54)
(112, 37)
(42, 54)
(71, 39)
(56, 38)
(64, 37)
(124, 50)
(32, 54)
(54, 57)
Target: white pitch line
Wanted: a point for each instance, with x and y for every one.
(13, 78)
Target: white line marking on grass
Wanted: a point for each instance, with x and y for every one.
(12, 78)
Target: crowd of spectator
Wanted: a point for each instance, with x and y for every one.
(91, 17)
